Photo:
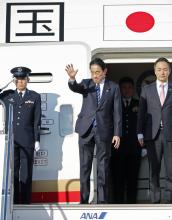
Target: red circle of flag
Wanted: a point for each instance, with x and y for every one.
(140, 21)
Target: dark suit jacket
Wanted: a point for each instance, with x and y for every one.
(27, 116)
(108, 114)
(151, 113)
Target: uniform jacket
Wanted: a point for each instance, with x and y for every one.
(151, 113)
(129, 141)
(26, 117)
(108, 114)
(129, 122)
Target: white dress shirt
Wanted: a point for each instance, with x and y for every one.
(101, 87)
(126, 99)
(23, 92)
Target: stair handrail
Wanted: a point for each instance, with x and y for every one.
(8, 166)
(2, 130)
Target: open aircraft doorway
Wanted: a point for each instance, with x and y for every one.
(139, 66)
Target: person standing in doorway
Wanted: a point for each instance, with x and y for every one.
(99, 122)
(125, 162)
(155, 126)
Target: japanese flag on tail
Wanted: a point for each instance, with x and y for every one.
(138, 22)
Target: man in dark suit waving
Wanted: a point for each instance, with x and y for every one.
(26, 122)
(155, 128)
(99, 122)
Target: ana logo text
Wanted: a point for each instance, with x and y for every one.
(94, 215)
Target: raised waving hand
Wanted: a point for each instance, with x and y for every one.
(71, 71)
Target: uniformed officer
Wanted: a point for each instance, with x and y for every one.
(26, 125)
(126, 161)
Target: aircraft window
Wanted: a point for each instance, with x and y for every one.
(41, 77)
(66, 120)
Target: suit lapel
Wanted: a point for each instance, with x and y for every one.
(123, 104)
(16, 97)
(25, 97)
(169, 93)
(154, 93)
(131, 103)
(92, 91)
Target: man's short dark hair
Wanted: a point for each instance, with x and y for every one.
(162, 59)
(127, 80)
(99, 62)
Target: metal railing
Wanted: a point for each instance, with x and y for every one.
(2, 117)
(7, 195)
(3, 146)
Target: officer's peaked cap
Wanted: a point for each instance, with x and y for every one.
(20, 71)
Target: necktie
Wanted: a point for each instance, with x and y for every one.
(162, 94)
(98, 94)
(126, 103)
(20, 95)
(98, 101)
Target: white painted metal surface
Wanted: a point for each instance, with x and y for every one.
(76, 212)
